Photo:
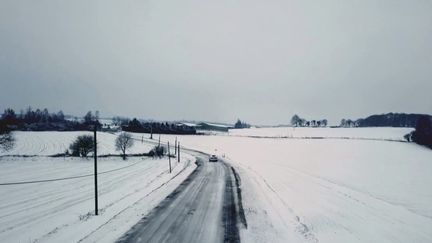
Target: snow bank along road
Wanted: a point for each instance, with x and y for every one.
(61, 210)
(202, 209)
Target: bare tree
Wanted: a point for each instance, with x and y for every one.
(123, 142)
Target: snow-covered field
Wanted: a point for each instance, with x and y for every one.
(330, 190)
(50, 143)
(363, 189)
(391, 133)
(62, 210)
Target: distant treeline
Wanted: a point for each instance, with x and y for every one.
(43, 120)
(157, 127)
(385, 120)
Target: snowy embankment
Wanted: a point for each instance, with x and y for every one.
(329, 190)
(63, 210)
(373, 133)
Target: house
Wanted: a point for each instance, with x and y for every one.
(213, 127)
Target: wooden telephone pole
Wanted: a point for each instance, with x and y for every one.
(178, 154)
(151, 131)
(95, 170)
(169, 157)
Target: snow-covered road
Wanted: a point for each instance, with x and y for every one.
(202, 209)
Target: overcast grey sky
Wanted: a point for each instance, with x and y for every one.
(259, 60)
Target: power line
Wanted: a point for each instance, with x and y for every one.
(64, 178)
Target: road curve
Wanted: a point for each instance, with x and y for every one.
(201, 209)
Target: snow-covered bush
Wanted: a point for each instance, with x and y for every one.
(82, 145)
(7, 141)
(158, 151)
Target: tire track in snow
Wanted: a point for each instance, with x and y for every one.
(85, 195)
(64, 178)
(348, 191)
(136, 202)
(301, 227)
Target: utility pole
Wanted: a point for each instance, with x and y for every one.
(151, 131)
(175, 147)
(159, 141)
(169, 157)
(95, 170)
(178, 155)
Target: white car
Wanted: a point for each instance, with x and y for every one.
(213, 158)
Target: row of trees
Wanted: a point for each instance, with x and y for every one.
(157, 127)
(29, 116)
(348, 123)
(384, 120)
(43, 120)
(84, 144)
(297, 121)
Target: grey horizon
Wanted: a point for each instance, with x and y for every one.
(217, 61)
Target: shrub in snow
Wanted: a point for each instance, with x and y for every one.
(408, 136)
(82, 146)
(7, 140)
(158, 151)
